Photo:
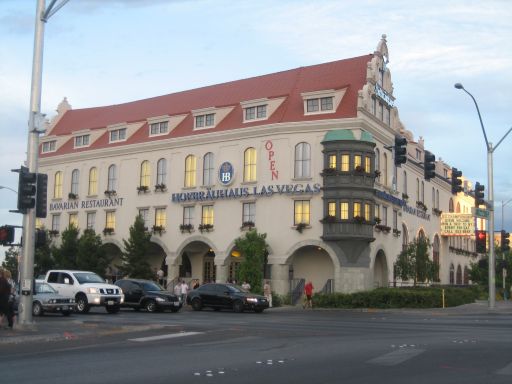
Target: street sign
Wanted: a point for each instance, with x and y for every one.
(480, 213)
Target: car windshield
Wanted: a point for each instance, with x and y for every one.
(88, 277)
(236, 288)
(152, 286)
(44, 288)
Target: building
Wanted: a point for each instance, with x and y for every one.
(305, 156)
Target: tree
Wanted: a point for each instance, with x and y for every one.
(253, 248)
(43, 259)
(11, 261)
(91, 256)
(65, 255)
(414, 263)
(135, 263)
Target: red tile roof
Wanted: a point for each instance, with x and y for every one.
(348, 73)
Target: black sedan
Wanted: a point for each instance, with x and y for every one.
(148, 295)
(218, 296)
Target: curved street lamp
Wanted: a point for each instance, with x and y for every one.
(10, 189)
(490, 202)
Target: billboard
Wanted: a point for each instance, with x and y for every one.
(457, 224)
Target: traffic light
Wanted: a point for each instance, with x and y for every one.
(505, 242)
(429, 166)
(481, 241)
(41, 195)
(479, 194)
(456, 181)
(6, 235)
(400, 150)
(26, 189)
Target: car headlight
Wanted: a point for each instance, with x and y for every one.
(159, 299)
(93, 290)
(51, 301)
(251, 300)
(71, 300)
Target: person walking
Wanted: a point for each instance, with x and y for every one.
(5, 293)
(184, 291)
(267, 292)
(246, 286)
(308, 292)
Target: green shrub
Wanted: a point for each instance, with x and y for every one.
(398, 298)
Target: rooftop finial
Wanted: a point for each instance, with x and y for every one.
(382, 48)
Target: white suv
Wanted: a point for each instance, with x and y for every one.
(87, 288)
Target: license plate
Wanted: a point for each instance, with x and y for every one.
(110, 302)
(176, 303)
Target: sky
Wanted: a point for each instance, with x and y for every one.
(104, 52)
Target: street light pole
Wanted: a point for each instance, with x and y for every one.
(35, 121)
(10, 189)
(490, 203)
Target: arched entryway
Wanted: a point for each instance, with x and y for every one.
(380, 270)
(113, 253)
(311, 263)
(459, 275)
(196, 261)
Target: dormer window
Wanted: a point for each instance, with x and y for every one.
(256, 113)
(320, 102)
(49, 146)
(160, 128)
(82, 141)
(205, 121)
(117, 135)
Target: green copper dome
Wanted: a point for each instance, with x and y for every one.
(347, 134)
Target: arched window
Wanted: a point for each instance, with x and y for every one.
(302, 160)
(466, 275)
(435, 255)
(452, 274)
(405, 182)
(450, 205)
(112, 178)
(458, 208)
(161, 172)
(459, 275)
(417, 189)
(208, 171)
(385, 169)
(190, 171)
(93, 182)
(75, 175)
(145, 174)
(57, 186)
(250, 164)
(377, 159)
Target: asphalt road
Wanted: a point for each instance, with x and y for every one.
(283, 345)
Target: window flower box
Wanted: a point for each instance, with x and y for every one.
(383, 228)
(108, 231)
(359, 219)
(53, 233)
(359, 170)
(329, 172)
(396, 232)
(405, 197)
(247, 225)
(300, 227)
(158, 229)
(160, 187)
(329, 219)
(421, 205)
(376, 174)
(436, 211)
(205, 227)
(186, 228)
(72, 196)
(142, 189)
(110, 193)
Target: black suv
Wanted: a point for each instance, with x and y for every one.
(147, 294)
(228, 296)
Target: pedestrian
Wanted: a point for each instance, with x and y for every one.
(5, 293)
(246, 286)
(177, 289)
(195, 284)
(308, 292)
(184, 291)
(160, 276)
(267, 291)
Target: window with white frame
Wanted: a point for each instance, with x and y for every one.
(161, 171)
(302, 160)
(160, 128)
(367, 212)
(73, 220)
(331, 209)
(333, 162)
(144, 214)
(384, 218)
(250, 165)
(301, 212)
(75, 175)
(188, 215)
(117, 135)
(82, 141)
(56, 222)
(49, 146)
(160, 217)
(249, 213)
(110, 220)
(344, 210)
(112, 178)
(145, 174)
(207, 215)
(190, 171)
(57, 186)
(357, 210)
(205, 121)
(345, 163)
(256, 112)
(208, 169)
(93, 182)
(320, 104)
(91, 220)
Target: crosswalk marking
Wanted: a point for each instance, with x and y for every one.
(396, 357)
(163, 337)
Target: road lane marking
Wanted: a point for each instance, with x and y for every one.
(507, 370)
(396, 357)
(163, 337)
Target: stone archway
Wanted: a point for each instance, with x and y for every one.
(196, 261)
(114, 254)
(380, 270)
(312, 263)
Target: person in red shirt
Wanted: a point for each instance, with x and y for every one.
(308, 291)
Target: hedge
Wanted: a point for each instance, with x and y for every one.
(398, 298)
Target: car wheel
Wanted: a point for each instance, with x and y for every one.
(238, 306)
(66, 313)
(196, 305)
(150, 306)
(37, 309)
(113, 309)
(258, 310)
(82, 306)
